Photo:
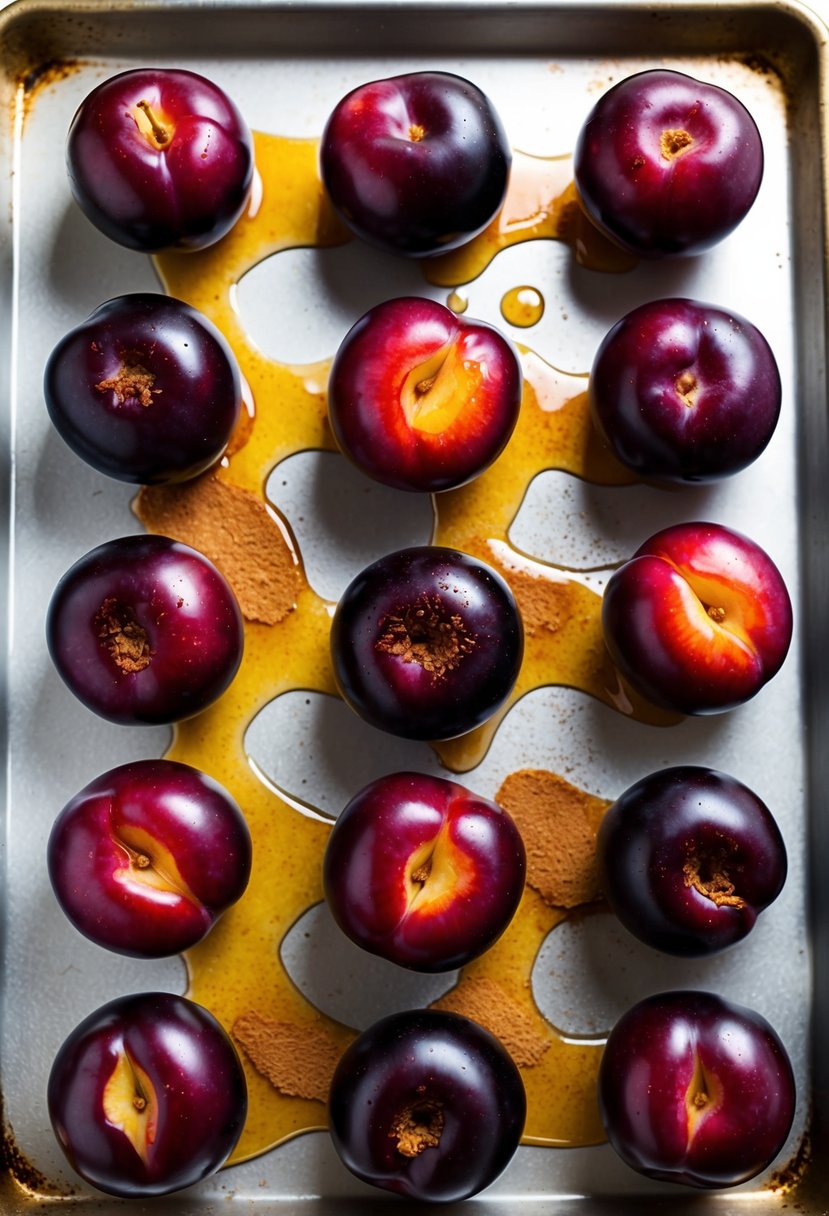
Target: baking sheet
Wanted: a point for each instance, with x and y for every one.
(543, 67)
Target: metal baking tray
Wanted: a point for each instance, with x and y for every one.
(543, 64)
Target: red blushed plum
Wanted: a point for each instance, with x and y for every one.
(426, 643)
(698, 620)
(689, 858)
(683, 391)
(147, 1095)
(423, 872)
(696, 1090)
(415, 164)
(147, 857)
(426, 1104)
(145, 630)
(420, 399)
(160, 158)
(666, 164)
(146, 390)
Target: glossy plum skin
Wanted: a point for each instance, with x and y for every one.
(416, 164)
(426, 643)
(160, 158)
(665, 164)
(698, 620)
(696, 1090)
(146, 390)
(146, 858)
(420, 399)
(683, 391)
(421, 871)
(439, 1076)
(689, 857)
(167, 1056)
(145, 630)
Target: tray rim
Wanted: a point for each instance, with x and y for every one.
(814, 32)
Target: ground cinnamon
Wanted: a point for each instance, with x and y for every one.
(235, 530)
(558, 822)
(299, 1061)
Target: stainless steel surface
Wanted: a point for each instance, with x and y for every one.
(542, 64)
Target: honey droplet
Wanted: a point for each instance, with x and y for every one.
(522, 306)
(458, 301)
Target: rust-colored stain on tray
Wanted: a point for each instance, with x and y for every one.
(34, 80)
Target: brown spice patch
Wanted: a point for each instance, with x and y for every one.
(543, 604)
(299, 1061)
(487, 1002)
(124, 638)
(558, 822)
(235, 530)
(131, 382)
(423, 634)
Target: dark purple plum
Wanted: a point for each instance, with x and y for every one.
(426, 643)
(689, 858)
(428, 1105)
(147, 1095)
(160, 158)
(421, 871)
(146, 390)
(146, 858)
(696, 1090)
(685, 392)
(666, 164)
(415, 164)
(145, 630)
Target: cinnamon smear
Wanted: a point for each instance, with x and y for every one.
(558, 822)
(543, 604)
(235, 530)
(487, 1002)
(299, 1061)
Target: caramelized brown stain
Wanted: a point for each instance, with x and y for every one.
(32, 81)
(17, 1174)
(791, 1176)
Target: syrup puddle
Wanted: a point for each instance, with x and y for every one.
(239, 968)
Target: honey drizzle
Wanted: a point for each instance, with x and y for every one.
(237, 968)
(541, 201)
